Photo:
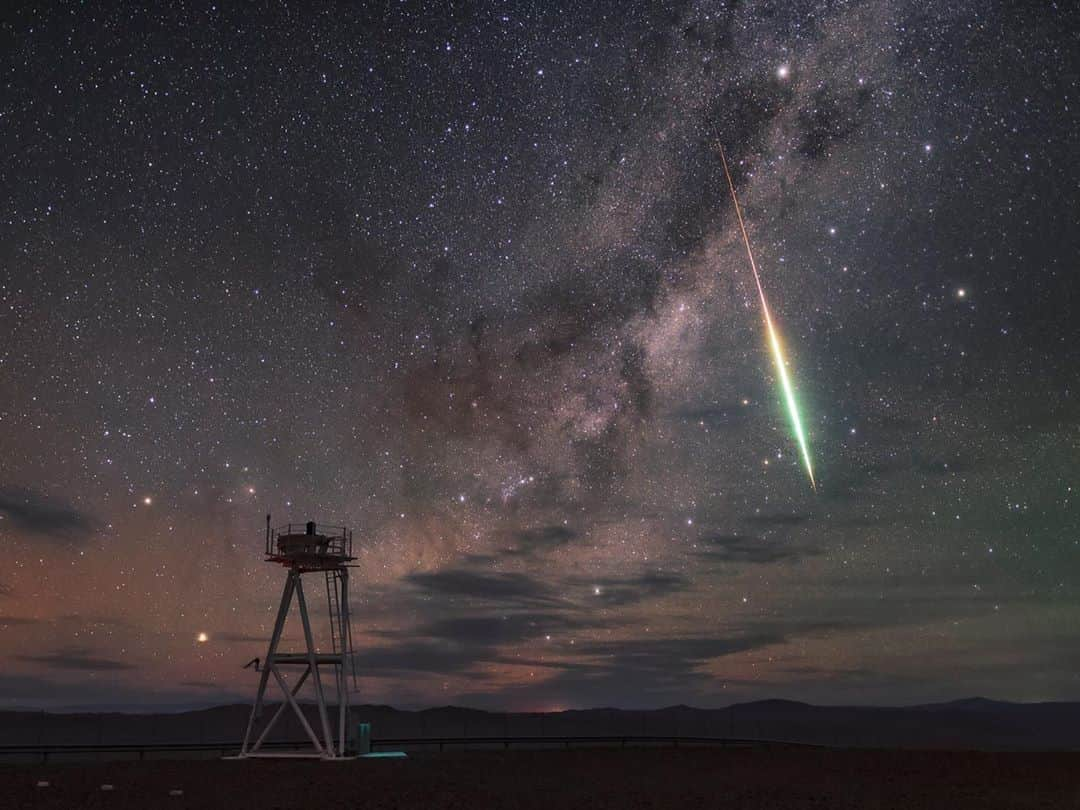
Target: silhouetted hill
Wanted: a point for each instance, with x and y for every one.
(974, 723)
(974, 704)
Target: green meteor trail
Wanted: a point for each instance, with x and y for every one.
(774, 338)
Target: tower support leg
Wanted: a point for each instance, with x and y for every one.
(281, 710)
(320, 697)
(346, 652)
(300, 715)
(275, 638)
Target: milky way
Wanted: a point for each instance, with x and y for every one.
(471, 283)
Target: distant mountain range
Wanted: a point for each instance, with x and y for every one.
(973, 723)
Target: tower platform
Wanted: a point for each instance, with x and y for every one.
(309, 546)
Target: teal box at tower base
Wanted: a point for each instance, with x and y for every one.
(362, 741)
(363, 745)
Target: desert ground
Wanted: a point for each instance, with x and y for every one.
(588, 778)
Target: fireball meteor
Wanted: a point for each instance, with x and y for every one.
(774, 337)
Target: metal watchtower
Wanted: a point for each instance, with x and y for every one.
(306, 549)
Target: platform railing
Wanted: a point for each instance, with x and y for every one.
(338, 538)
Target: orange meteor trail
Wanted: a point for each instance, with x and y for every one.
(774, 337)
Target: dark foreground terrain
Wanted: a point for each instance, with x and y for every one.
(961, 725)
(595, 779)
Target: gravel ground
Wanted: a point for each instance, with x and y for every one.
(595, 779)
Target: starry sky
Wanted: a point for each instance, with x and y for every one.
(468, 280)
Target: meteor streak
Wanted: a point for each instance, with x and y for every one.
(774, 337)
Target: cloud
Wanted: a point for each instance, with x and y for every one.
(30, 511)
(653, 671)
(749, 549)
(492, 631)
(422, 656)
(854, 478)
(20, 691)
(776, 519)
(530, 542)
(458, 644)
(504, 587)
(613, 591)
(241, 638)
(856, 521)
(78, 660)
(635, 672)
(673, 655)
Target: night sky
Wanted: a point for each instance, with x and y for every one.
(469, 280)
